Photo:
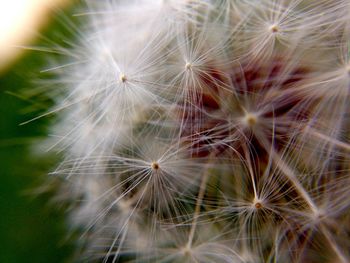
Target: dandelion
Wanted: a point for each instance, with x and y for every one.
(207, 131)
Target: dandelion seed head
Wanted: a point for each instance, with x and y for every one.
(218, 104)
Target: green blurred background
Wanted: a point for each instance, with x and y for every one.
(32, 229)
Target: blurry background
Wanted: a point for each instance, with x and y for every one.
(31, 228)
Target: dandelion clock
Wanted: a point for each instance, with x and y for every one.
(206, 131)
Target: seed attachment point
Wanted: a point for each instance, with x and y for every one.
(122, 78)
(250, 119)
(258, 205)
(274, 28)
(155, 166)
(188, 66)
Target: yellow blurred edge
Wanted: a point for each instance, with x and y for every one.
(20, 28)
